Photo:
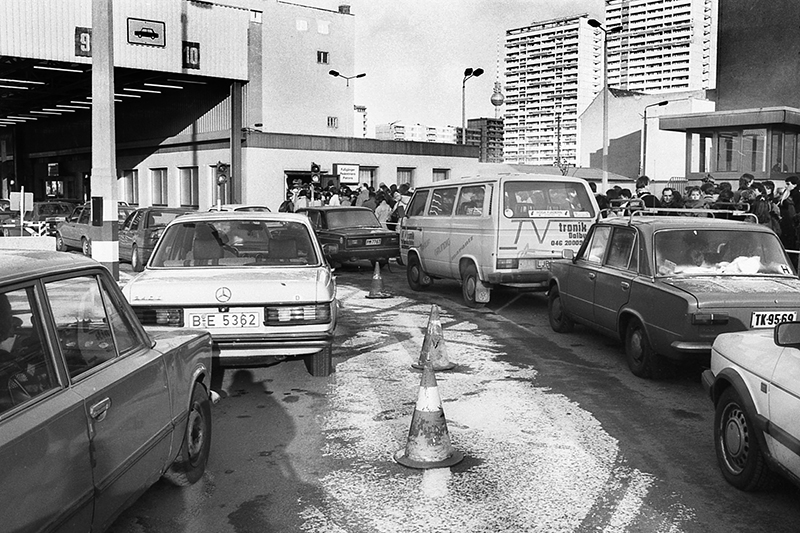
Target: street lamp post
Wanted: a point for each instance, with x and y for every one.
(644, 135)
(336, 74)
(468, 73)
(594, 23)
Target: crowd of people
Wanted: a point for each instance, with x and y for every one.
(773, 207)
(388, 202)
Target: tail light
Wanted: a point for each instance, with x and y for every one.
(297, 314)
(160, 316)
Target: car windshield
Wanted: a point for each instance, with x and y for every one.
(54, 209)
(535, 199)
(235, 243)
(352, 218)
(161, 218)
(719, 252)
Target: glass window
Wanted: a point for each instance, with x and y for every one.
(440, 174)
(727, 151)
(620, 253)
(158, 184)
(91, 330)
(789, 144)
(442, 202)
(129, 187)
(86, 212)
(405, 175)
(417, 205)
(701, 152)
(190, 196)
(26, 369)
(470, 201)
(753, 146)
(777, 161)
(236, 243)
(531, 199)
(597, 245)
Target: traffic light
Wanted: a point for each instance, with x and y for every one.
(223, 172)
(315, 172)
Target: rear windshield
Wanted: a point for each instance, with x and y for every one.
(355, 218)
(546, 199)
(235, 243)
(719, 252)
(160, 218)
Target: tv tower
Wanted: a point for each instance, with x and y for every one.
(497, 97)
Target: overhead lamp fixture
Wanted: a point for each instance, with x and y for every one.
(195, 82)
(73, 106)
(3, 86)
(24, 82)
(150, 91)
(81, 103)
(12, 117)
(163, 86)
(58, 110)
(12, 120)
(46, 112)
(59, 69)
(128, 95)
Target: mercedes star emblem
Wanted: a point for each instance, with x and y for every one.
(223, 294)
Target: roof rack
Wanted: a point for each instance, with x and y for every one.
(636, 207)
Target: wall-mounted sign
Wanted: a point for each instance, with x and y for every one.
(191, 55)
(347, 173)
(83, 42)
(146, 32)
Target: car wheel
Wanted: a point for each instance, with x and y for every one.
(643, 361)
(559, 320)
(86, 247)
(418, 280)
(469, 286)
(190, 464)
(738, 450)
(321, 363)
(136, 261)
(60, 246)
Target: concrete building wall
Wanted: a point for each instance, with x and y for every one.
(298, 94)
(758, 54)
(665, 151)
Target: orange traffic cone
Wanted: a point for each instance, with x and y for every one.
(433, 347)
(428, 444)
(376, 290)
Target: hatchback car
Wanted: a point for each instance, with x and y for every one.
(257, 281)
(77, 230)
(93, 409)
(668, 285)
(140, 231)
(352, 234)
(754, 382)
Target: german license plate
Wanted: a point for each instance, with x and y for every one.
(229, 320)
(373, 242)
(769, 319)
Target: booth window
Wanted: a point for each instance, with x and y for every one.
(728, 151)
(753, 146)
(702, 148)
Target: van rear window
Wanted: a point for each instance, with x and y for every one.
(539, 199)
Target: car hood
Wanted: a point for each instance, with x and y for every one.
(740, 291)
(753, 350)
(245, 286)
(357, 231)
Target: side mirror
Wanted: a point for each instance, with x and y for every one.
(568, 253)
(788, 334)
(330, 249)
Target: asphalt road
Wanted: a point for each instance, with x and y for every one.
(558, 435)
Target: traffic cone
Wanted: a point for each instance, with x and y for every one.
(376, 290)
(428, 444)
(433, 347)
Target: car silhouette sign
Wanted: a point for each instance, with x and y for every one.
(146, 32)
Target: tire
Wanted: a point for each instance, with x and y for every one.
(190, 464)
(469, 286)
(418, 280)
(643, 361)
(320, 364)
(738, 448)
(60, 246)
(86, 247)
(559, 320)
(136, 260)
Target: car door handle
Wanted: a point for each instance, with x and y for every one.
(625, 285)
(99, 410)
(592, 275)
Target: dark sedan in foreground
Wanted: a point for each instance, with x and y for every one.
(93, 409)
(353, 234)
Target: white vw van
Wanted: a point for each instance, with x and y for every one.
(496, 230)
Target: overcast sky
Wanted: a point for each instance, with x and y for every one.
(414, 53)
